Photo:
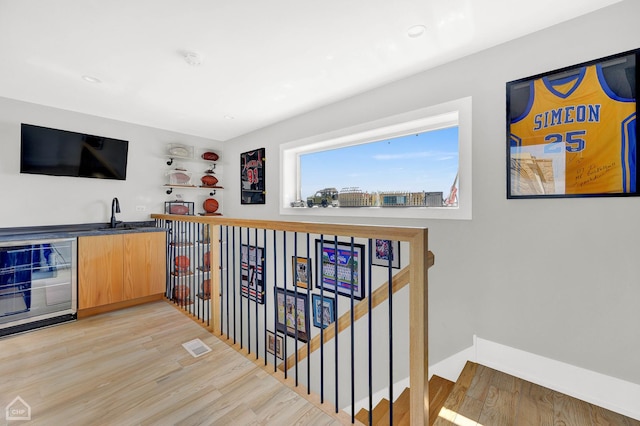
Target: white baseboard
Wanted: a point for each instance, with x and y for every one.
(605, 391)
(398, 388)
(450, 368)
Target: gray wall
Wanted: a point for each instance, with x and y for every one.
(29, 200)
(557, 278)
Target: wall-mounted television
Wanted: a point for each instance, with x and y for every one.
(56, 152)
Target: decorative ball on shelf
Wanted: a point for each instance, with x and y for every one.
(181, 293)
(210, 156)
(208, 180)
(179, 150)
(179, 177)
(210, 205)
(182, 263)
(206, 287)
(178, 209)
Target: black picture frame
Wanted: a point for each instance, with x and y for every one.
(252, 177)
(288, 303)
(252, 272)
(275, 344)
(324, 310)
(347, 255)
(382, 249)
(571, 131)
(302, 272)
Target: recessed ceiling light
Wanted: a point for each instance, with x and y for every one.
(416, 31)
(91, 79)
(229, 117)
(193, 58)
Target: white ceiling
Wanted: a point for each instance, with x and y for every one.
(262, 60)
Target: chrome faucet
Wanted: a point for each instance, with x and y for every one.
(115, 208)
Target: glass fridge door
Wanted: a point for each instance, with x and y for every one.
(37, 282)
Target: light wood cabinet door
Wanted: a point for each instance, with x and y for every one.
(145, 264)
(100, 270)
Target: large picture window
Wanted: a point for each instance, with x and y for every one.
(415, 170)
(415, 165)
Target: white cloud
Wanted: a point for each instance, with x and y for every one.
(443, 156)
(403, 156)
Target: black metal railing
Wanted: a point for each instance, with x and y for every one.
(271, 286)
(188, 267)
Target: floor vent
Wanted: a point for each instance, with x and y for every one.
(196, 347)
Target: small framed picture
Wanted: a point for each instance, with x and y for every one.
(385, 250)
(324, 310)
(301, 269)
(275, 344)
(251, 267)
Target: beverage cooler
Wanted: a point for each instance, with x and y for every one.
(37, 284)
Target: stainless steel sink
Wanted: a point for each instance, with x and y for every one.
(124, 227)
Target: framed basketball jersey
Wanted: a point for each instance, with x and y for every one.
(572, 132)
(252, 173)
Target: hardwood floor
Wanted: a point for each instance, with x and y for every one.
(483, 396)
(129, 367)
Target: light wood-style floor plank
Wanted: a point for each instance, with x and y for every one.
(571, 411)
(536, 406)
(500, 405)
(129, 368)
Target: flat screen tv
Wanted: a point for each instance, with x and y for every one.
(56, 152)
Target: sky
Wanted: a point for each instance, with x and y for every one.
(423, 162)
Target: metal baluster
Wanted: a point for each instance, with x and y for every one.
(295, 304)
(170, 254)
(335, 270)
(197, 228)
(193, 267)
(275, 306)
(241, 288)
(266, 297)
(207, 265)
(353, 377)
(178, 270)
(370, 320)
(233, 253)
(390, 290)
(295, 307)
(197, 262)
(284, 304)
(320, 261)
(309, 283)
(258, 263)
(249, 279)
(179, 252)
(227, 266)
(193, 279)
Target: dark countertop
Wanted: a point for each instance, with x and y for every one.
(75, 230)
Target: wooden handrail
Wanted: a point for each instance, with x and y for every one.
(359, 231)
(415, 276)
(379, 295)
